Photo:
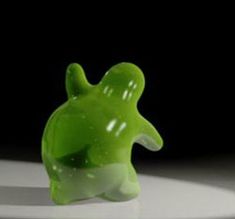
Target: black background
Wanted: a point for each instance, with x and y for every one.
(182, 57)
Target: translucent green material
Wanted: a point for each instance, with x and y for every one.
(87, 142)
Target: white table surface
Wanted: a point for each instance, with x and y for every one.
(24, 194)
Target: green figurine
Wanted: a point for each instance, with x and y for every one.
(87, 142)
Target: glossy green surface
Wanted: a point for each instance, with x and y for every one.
(87, 142)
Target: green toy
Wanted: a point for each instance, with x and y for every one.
(87, 142)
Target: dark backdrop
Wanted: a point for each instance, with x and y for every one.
(185, 83)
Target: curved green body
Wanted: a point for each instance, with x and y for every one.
(87, 142)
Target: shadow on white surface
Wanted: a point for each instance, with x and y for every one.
(16, 195)
(24, 194)
(32, 196)
(216, 172)
(229, 217)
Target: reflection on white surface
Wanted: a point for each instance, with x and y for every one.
(24, 194)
